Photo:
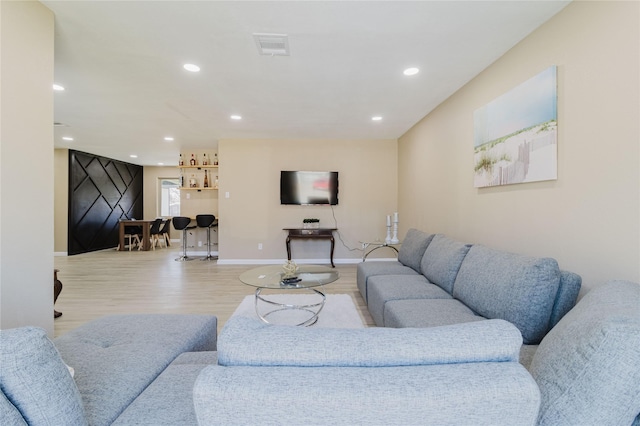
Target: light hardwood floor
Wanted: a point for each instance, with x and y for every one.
(113, 282)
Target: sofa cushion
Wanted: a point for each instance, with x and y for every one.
(35, 380)
(512, 287)
(9, 413)
(588, 366)
(413, 247)
(248, 341)
(568, 290)
(442, 259)
(370, 269)
(168, 401)
(383, 288)
(116, 357)
(427, 313)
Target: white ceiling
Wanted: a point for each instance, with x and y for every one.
(121, 64)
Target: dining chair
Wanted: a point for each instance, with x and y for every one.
(164, 233)
(133, 233)
(154, 232)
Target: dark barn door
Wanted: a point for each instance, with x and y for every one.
(101, 192)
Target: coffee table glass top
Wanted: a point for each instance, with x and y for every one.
(271, 276)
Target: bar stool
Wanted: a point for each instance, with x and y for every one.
(206, 221)
(181, 223)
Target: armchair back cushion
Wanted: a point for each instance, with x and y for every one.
(441, 261)
(36, 381)
(413, 247)
(512, 287)
(588, 366)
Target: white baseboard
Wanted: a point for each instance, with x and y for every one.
(299, 261)
(60, 253)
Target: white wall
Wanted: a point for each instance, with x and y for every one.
(589, 218)
(26, 193)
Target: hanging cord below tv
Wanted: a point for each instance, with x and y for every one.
(335, 221)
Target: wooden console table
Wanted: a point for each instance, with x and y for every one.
(310, 233)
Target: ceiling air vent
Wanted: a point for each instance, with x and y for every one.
(272, 44)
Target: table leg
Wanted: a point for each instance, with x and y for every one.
(146, 237)
(121, 237)
(333, 243)
(312, 309)
(288, 248)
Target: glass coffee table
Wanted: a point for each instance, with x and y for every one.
(274, 277)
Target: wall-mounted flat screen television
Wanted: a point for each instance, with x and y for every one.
(308, 188)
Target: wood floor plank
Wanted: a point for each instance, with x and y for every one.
(121, 282)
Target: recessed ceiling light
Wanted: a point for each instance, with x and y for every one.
(411, 71)
(191, 67)
(67, 138)
(168, 138)
(58, 87)
(376, 118)
(160, 164)
(133, 156)
(236, 117)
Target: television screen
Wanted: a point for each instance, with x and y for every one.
(303, 188)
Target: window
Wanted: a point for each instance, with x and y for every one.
(169, 197)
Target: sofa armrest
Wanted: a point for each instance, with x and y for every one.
(451, 394)
(246, 341)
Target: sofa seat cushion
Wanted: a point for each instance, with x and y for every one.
(383, 288)
(116, 357)
(588, 366)
(35, 381)
(509, 286)
(369, 269)
(413, 247)
(441, 261)
(427, 313)
(168, 401)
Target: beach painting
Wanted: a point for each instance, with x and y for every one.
(515, 135)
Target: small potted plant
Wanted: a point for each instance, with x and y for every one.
(310, 223)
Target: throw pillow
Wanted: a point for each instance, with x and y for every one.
(36, 381)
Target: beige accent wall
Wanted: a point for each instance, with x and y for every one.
(252, 214)
(61, 201)
(588, 219)
(26, 193)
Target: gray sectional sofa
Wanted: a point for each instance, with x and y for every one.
(164, 370)
(439, 281)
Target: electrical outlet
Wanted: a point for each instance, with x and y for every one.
(227, 195)
(259, 246)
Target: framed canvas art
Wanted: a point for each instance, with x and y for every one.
(515, 135)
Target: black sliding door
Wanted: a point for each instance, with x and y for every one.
(101, 192)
